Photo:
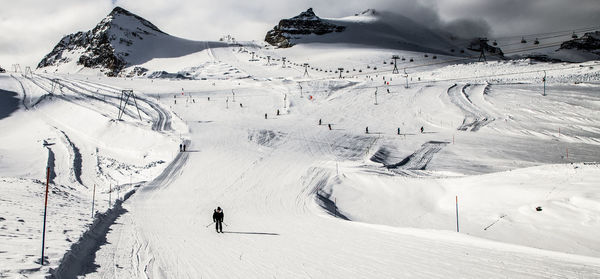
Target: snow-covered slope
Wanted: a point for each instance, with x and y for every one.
(120, 40)
(301, 199)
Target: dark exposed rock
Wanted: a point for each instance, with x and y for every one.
(476, 44)
(588, 42)
(304, 24)
(98, 46)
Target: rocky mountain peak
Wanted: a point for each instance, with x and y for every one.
(306, 23)
(106, 46)
(589, 42)
(307, 15)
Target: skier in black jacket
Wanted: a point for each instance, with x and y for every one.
(218, 219)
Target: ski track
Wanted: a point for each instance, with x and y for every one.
(417, 161)
(24, 101)
(475, 118)
(77, 160)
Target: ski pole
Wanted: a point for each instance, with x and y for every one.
(209, 224)
(225, 224)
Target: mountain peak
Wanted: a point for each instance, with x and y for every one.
(305, 23)
(307, 15)
(108, 45)
(119, 10)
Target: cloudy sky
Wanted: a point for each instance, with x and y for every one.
(29, 29)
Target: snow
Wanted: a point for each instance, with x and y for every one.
(301, 200)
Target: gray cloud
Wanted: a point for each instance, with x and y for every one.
(30, 29)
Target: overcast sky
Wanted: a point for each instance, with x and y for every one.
(29, 29)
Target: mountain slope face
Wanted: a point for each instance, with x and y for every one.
(303, 24)
(589, 42)
(120, 40)
(369, 28)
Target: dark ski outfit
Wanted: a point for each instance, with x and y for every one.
(218, 219)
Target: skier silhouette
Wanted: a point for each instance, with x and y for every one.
(218, 219)
(422, 129)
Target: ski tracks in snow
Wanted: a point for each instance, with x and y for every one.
(475, 117)
(411, 164)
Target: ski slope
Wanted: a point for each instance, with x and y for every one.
(304, 201)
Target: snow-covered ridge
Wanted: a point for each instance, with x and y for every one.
(369, 28)
(120, 40)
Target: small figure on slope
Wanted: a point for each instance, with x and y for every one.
(218, 219)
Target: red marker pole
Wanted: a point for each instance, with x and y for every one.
(45, 210)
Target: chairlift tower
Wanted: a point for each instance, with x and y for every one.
(395, 70)
(406, 76)
(124, 100)
(28, 72)
(305, 69)
(341, 70)
(253, 59)
(17, 68)
(482, 45)
(55, 85)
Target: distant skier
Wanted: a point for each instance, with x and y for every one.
(422, 129)
(180, 147)
(265, 116)
(398, 131)
(241, 106)
(184, 148)
(208, 99)
(218, 219)
(367, 130)
(329, 125)
(319, 121)
(277, 112)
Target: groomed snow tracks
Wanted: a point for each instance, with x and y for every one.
(475, 118)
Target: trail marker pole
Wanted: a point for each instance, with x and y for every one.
(109, 195)
(544, 79)
(93, 200)
(285, 101)
(457, 230)
(406, 76)
(45, 210)
(300, 90)
(376, 88)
